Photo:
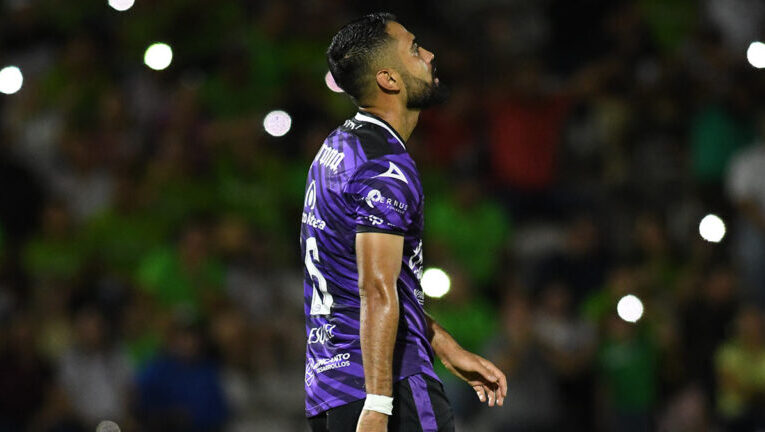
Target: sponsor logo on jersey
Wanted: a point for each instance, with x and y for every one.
(394, 172)
(329, 157)
(314, 367)
(339, 361)
(310, 196)
(376, 197)
(372, 197)
(321, 335)
(309, 375)
(311, 220)
(374, 220)
(310, 203)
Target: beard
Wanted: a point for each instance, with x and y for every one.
(422, 94)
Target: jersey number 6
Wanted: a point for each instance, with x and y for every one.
(320, 304)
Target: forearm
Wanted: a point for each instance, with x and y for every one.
(489, 382)
(441, 341)
(378, 328)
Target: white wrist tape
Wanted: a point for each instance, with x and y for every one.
(381, 404)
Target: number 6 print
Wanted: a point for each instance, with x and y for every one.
(320, 304)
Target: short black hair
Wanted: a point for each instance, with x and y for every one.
(352, 50)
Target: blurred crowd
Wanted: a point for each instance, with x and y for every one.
(149, 268)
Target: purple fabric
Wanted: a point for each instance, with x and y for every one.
(422, 403)
(347, 191)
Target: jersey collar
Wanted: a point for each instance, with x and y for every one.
(371, 118)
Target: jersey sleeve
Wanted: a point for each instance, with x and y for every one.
(382, 197)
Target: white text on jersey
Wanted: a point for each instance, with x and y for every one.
(321, 334)
(311, 220)
(329, 157)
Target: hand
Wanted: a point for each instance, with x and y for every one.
(372, 421)
(485, 378)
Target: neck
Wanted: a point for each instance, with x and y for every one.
(402, 119)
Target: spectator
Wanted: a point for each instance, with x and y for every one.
(717, 132)
(55, 254)
(705, 322)
(525, 126)
(581, 264)
(479, 243)
(517, 351)
(22, 367)
(740, 366)
(94, 374)
(628, 371)
(746, 189)
(570, 344)
(181, 389)
(187, 276)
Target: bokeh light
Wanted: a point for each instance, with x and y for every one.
(756, 54)
(277, 123)
(121, 5)
(330, 81)
(629, 308)
(158, 56)
(107, 426)
(435, 282)
(11, 80)
(712, 228)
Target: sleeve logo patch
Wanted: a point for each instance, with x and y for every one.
(375, 197)
(394, 172)
(374, 220)
(372, 197)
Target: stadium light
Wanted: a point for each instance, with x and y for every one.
(330, 81)
(277, 123)
(629, 308)
(756, 54)
(158, 56)
(435, 282)
(712, 228)
(11, 80)
(121, 5)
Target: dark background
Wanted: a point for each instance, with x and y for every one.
(149, 271)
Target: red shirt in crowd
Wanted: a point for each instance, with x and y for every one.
(524, 137)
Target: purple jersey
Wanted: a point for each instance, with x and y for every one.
(361, 180)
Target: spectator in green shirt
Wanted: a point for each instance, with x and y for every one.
(473, 229)
(628, 367)
(740, 365)
(55, 253)
(187, 276)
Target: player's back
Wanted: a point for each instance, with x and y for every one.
(361, 180)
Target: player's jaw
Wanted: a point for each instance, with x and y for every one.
(422, 94)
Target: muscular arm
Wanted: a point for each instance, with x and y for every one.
(485, 378)
(378, 257)
(442, 342)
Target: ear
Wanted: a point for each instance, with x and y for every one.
(388, 80)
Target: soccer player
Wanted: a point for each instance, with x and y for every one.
(370, 348)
